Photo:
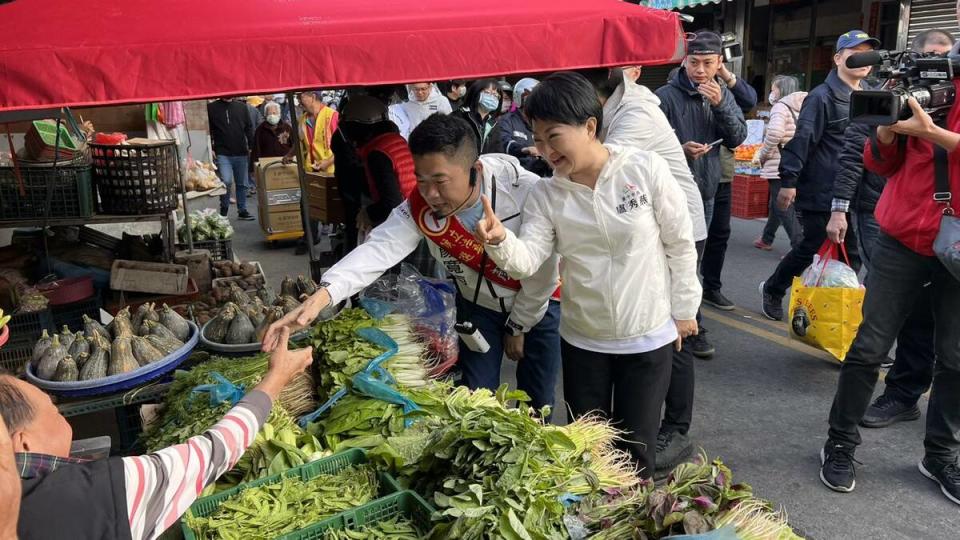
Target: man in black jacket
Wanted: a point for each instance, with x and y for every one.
(808, 167)
(232, 135)
(704, 110)
(859, 190)
(715, 250)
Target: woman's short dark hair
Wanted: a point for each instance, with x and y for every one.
(446, 134)
(472, 98)
(922, 38)
(565, 97)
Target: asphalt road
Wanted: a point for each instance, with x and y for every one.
(762, 405)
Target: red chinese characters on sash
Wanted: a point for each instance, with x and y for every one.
(455, 239)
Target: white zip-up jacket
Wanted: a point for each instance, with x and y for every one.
(399, 235)
(629, 261)
(632, 118)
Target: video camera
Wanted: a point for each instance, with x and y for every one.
(732, 48)
(926, 77)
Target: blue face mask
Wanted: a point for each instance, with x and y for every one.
(489, 102)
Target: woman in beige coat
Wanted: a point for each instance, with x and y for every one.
(786, 100)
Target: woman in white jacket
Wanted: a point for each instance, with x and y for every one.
(630, 290)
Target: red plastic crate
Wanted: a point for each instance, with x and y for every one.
(750, 197)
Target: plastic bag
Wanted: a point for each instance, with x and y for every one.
(431, 306)
(827, 271)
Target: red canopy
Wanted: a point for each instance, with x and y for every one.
(93, 52)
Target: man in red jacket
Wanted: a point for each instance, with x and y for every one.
(903, 264)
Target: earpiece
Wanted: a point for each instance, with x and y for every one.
(473, 177)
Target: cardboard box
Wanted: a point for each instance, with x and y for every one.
(323, 199)
(282, 222)
(272, 174)
(157, 278)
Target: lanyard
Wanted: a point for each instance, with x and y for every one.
(483, 263)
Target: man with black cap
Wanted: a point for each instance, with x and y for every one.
(808, 167)
(701, 111)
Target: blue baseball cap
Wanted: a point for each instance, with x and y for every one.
(856, 37)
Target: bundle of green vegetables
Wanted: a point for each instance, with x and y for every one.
(279, 445)
(397, 528)
(498, 472)
(206, 224)
(340, 353)
(698, 497)
(277, 508)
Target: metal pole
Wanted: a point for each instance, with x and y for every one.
(302, 174)
(186, 211)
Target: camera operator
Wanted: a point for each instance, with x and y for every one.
(908, 153)
(858, 190)
(808, 166)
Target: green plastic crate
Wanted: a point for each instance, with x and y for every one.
(329, 465)
(405, 503)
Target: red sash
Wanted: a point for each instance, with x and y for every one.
(451, 236)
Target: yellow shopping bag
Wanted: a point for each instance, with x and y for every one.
(826, 317)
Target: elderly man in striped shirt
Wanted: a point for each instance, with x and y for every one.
(129, 498)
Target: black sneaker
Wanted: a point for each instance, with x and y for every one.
(837, 471)
(885, 411)
(772, 306)
(699, 346)
(245, 216)
(945, 474)
(718, 300)
(673, 448)
(223, 212)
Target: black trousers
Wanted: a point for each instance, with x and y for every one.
(628, 389)
(718, 235)
(912, 371)
(678, 412)
(800, 257)
(896, 279)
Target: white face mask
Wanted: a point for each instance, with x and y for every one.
(772, 98)
(461, 91)
(273, 119)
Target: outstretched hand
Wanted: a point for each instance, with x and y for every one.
(296, 320)
(489, 229)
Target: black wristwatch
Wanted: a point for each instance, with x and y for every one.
(513, 328)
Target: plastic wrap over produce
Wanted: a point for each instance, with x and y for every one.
(831, 273)
(431, 305)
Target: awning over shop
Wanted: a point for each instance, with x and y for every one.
(96, 52)
(677, 4)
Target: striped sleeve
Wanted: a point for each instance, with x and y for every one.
(161, 486)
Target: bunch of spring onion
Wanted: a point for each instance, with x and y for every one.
(341, 353)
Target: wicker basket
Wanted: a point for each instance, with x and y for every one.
(136, 179)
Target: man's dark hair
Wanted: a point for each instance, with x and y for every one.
(605, 80)
(14, 407)
(920, 41)
(447, 134)
(565, 97)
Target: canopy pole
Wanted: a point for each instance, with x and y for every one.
(302, 174)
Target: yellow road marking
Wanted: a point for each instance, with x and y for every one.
(779, 338)
(728, 318)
